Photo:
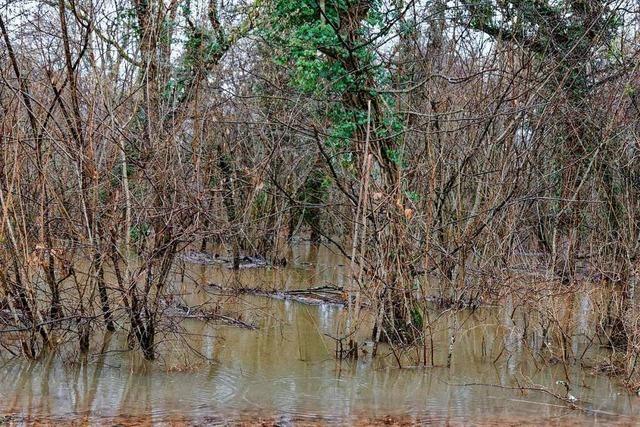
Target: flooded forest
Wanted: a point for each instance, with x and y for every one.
(319, 212)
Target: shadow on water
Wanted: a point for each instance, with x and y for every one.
(285, 372)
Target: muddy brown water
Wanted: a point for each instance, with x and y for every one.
(285, 373)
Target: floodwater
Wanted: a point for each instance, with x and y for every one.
(284, 372)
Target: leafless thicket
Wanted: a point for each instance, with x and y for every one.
(489, 143)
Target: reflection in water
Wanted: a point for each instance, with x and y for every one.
(286, 369)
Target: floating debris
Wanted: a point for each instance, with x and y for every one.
(324, 294)
(244, 262)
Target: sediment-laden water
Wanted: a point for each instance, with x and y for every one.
(285, 370)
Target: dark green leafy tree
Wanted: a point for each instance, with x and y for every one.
(334, 52)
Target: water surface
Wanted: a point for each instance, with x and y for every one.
(285, 370)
